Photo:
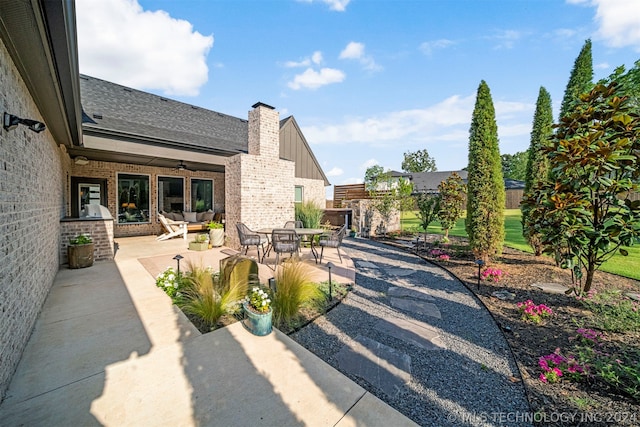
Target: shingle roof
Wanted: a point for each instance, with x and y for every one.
(115, 109)
(427, 182)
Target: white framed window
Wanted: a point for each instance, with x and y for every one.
(299, 195)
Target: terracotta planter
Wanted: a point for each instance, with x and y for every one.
(80, 256)
(257, 323)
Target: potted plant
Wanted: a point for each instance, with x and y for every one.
(200, 243)
(80, 251)
(258, 312)
(353, 232)
(216, 233)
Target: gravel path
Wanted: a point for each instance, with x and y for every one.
(465, 376)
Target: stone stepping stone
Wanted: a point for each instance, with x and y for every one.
(553, 288)
(382, 366)
(420, 307)
(419, 334)
(401, 292)
(400, 272)
(504, 295)
(366, 264)
(633, 296)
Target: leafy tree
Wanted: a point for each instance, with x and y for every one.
(595, 160)
(428, 207)
(418, 161)
(537, 165)
(580, 80)
(371, 176)
(514, 166)
(452, 196)
(485, 185)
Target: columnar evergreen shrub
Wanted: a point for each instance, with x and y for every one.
(485, 185)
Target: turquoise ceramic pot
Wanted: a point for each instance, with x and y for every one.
(257, 323)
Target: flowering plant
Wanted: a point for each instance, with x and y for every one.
(493, 274)
(169, 281)
(259, 300)
(444, 257)
(556, 365)
(532, 312)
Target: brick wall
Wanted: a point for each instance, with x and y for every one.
(259, 187)
(109, 171)
(32, 170)
(313, 190)
(100, 230)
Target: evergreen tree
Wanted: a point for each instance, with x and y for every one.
(537, 163)
(580, 80)
(452, 192)
(485, 185)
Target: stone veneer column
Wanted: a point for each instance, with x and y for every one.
(259, 186)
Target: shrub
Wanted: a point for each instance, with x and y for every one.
(310, 214)
(612, 311)
(170, 282)
(208, 296)
(294, 290)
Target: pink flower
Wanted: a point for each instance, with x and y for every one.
(543, 378)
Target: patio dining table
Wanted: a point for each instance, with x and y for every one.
(312, 232)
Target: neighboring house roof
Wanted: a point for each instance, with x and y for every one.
(427, 182)
(294, 146)
(513, 184)
(121, 111)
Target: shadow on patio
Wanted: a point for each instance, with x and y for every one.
(109, 348)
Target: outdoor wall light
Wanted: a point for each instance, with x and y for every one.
(11, 122)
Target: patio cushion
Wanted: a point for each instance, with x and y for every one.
(207, 216)
(190, 216)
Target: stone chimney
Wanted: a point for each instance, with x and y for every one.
(264, 131)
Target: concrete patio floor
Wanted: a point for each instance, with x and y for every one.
(109, 348)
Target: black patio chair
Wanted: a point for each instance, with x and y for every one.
(249, 237)
(293, 224)
(284, 240)
(332, 239)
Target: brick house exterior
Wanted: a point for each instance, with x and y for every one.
(253, 165)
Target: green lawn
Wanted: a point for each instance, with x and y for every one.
(626, 266)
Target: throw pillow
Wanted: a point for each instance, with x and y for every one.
(190, 216)
(207, 216)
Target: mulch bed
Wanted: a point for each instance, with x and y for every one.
(564, 403)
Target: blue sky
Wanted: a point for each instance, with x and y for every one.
(366, 80)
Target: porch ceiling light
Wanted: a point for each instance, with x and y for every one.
(10, 122)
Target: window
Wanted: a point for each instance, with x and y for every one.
(299, 193)
(170, 194)
(133, 198)
(201, 195)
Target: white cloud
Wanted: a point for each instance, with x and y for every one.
(121, 42)
(618, 21)
(335, 171)
(312, 79)
(602, 66)
(367, 164)
(506, 39)
(315, 58)
(428, 47)
(445, 124)
(337, 5)
(355, 51)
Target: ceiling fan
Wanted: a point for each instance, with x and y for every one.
(183, 167)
